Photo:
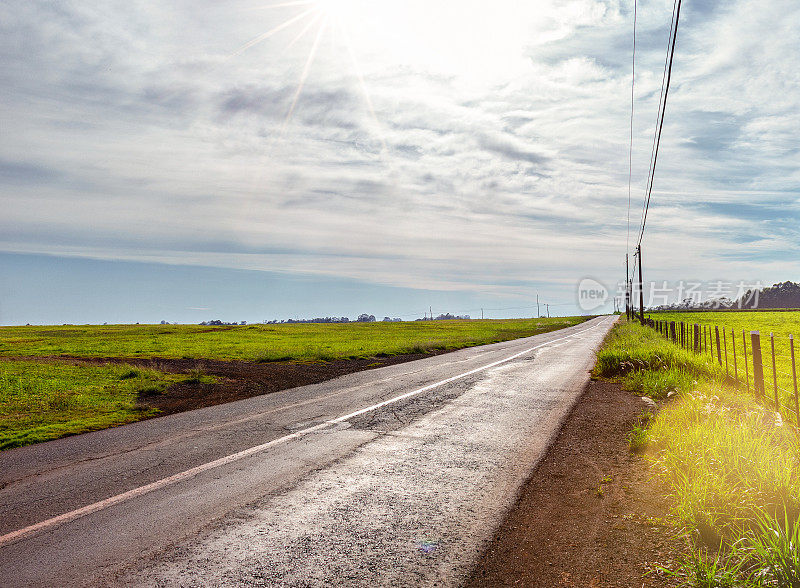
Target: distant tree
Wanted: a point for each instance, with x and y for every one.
(366, 318)
(450, 317)
(781, 295)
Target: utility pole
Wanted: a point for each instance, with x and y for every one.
(481, 314)
(431, 309)
(627, 289)
(548, 310)
(630, 297)
(641, 289)
(538, 314)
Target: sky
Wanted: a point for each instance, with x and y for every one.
(246, 160)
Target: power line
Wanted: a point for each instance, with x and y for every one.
(658, 116)
(630, 149)
(662, 110)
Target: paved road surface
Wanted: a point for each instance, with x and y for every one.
(393, 476)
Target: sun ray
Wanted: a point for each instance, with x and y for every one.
(303, 32)
(270, 33)
(304, 76)
(363, 84)
(328, 16)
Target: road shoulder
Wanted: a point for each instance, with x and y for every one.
(591, 514)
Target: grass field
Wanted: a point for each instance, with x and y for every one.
(295, 342)
(782, 324)
(44, 397)
(46, 400)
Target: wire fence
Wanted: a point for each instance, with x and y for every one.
(765, 366)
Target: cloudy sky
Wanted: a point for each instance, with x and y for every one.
(247, 160)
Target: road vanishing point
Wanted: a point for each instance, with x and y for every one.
(394, 476)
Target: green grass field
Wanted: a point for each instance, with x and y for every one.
(46, 400)
(782, 324)
(296, 342)
(43, 399)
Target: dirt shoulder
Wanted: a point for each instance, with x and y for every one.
(591, 514)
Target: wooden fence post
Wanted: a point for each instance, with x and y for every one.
(725, 344)
(698, 342)
(774, 372)
(672, 332)
(719, 351)
(758, 368)
(710, 342)
(683, 334)
(735, 365)
(746, 369)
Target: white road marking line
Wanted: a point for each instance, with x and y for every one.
(15, 536)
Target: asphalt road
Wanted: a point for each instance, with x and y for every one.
(394, 476)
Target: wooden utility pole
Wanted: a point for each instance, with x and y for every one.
(538, 314)
(630, 298)
(641, 289)
(627, 289)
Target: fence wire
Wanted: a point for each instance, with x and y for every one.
(751, 361)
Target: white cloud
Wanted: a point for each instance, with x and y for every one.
(488, 153)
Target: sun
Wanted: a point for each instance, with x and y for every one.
(314, 18)
(476, 44)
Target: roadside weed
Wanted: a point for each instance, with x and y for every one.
(775, 547)
(703, 570)
(638, 436)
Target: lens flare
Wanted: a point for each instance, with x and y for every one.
(315, 18)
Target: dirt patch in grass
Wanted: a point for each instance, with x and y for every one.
(591, 515)
(235, 380)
